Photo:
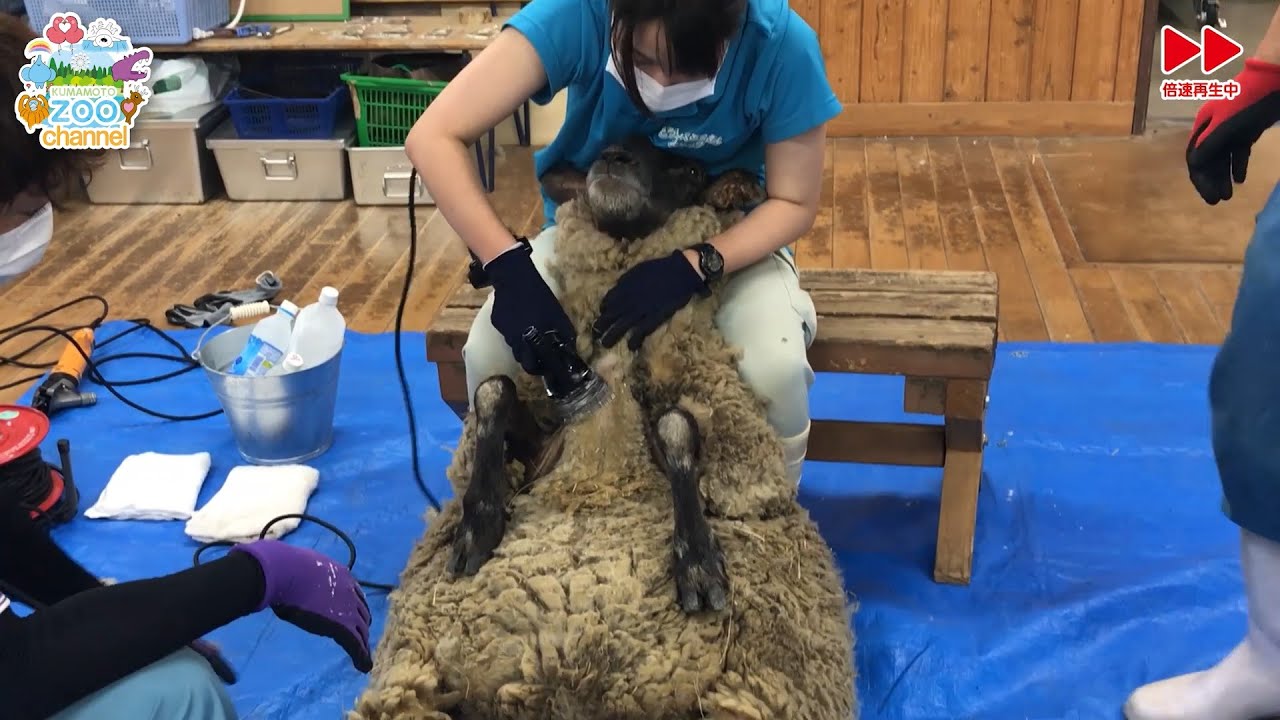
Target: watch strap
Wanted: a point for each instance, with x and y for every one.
(710, 261)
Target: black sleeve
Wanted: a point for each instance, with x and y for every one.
(69, 650)
(35, 571)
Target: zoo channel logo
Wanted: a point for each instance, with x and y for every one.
(83, 85)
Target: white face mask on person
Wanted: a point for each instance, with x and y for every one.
(23, 247)
(660, 98)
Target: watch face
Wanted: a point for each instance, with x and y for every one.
(712, 260)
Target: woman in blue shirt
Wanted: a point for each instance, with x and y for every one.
(732, 83)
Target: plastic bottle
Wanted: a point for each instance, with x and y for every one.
(320, 330)
(292, 363)
(268, 343)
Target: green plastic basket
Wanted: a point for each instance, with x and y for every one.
(386, 108)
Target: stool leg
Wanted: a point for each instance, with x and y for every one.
(484, 175)
(493, 179)
(958, 516)
(521, 120)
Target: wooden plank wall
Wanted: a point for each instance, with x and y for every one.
(981, 67)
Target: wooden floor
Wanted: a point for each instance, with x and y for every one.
(1093, 240)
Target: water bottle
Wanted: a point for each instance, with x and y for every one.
(320, 330)
(267, 343)
(292, 363)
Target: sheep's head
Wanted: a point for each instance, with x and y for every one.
(632, 188)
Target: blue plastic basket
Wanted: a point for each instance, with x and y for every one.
(300, 97)
(146, 22)
(257, 115)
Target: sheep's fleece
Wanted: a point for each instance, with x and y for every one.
(575, 615)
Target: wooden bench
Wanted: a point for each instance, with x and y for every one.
(937, 329)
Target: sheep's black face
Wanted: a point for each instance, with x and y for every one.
(633, 187)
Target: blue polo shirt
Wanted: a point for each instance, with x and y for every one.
(772, 86)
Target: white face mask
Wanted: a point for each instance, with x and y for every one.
(661, 99)
(23, 247)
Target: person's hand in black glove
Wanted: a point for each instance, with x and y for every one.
(1225, 130)
(521, 300)
(645, 297)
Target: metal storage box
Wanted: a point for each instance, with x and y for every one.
(166, 162)
(284, 169)
(380, 176)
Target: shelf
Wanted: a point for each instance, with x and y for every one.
(359, 34)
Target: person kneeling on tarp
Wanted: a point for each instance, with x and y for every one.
(1244, 399)
(132, 651)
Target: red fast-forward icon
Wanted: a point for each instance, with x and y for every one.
(1214, 49)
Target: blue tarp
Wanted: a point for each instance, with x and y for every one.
(1101, 558)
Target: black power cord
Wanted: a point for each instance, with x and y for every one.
(28, 481)
(346, 539)
(188, 364)
(7, 332)
(92, 364)
(404, 381)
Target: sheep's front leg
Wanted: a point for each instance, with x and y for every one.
(701, 580)
(500, 419)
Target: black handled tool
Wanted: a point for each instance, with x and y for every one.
(571, 384)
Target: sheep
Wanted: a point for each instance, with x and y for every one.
(650, 562)
(642, 188)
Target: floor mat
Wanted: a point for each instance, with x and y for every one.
(1101, 559)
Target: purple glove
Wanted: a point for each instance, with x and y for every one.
(307, 589)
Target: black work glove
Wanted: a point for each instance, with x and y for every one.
(645, 297)
(521, 300)
(1226, 129)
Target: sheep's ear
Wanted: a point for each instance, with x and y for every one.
(735, 190)
(563, 184)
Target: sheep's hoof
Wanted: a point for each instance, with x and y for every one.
(476, 537)
(701, 581)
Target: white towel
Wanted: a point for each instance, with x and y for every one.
(253, 496)
(153, 486)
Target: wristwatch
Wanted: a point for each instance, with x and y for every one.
(476, 274)
(710, 261)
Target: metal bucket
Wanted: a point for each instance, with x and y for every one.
(276, 419)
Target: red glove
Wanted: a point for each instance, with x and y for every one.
(1226, 129)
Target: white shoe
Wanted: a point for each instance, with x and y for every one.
(1246, 684)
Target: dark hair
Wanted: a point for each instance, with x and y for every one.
(696, 32)
(24, 163)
